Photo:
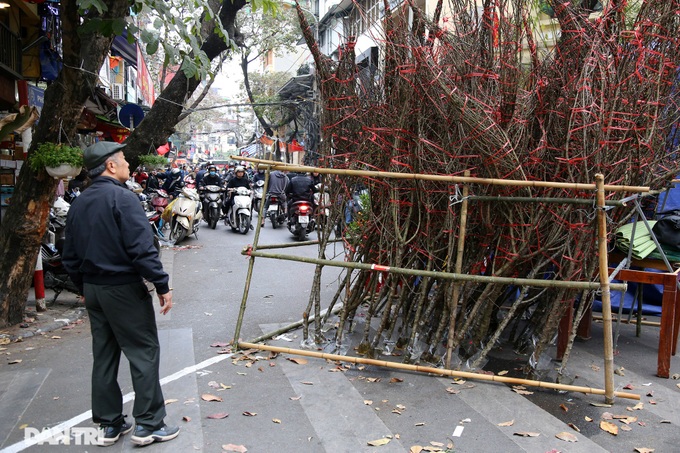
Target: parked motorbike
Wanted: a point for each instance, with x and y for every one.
(186, 215)
(240, 213)
(211, 199)
(301, 219)
(257, 195)
(275, 211)
(54, 274)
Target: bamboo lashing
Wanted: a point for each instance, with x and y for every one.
(432, 370)
(606, 293)
(442, 178)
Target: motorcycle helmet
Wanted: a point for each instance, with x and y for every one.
(239, 168)
(174, 171)
(212, 170)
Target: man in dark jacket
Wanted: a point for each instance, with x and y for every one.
(109, 250)
(301, 188)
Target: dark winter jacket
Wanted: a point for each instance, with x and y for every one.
(109, 240)
(300, 188)
(278, 182)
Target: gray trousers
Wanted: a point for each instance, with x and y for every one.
(122, 318)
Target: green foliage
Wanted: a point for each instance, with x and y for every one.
(151, 161)
(356, 227)
(52, 155)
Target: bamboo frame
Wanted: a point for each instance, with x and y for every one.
(438, 371)
(625, 321)
(443, 178)
(604, 284)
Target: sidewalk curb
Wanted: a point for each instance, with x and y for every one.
(68, 317)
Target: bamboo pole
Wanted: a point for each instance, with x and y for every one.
(292, 326)
(585, 201)
(447, 178)
(293, 244)
(457, 269)
(439, 371)
(606, 294)
(539, 283)
(626, 321)
(251, 261)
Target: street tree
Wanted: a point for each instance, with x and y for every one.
(89, 27)
(264, 34)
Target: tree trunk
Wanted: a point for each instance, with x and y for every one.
(26, 220)
(246, 83)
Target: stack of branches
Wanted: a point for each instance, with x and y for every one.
(475, 89)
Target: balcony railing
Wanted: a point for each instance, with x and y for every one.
(10, 51)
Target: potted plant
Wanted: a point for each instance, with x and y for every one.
(151, 161)
(59, 160)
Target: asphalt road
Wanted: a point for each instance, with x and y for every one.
(274, 404)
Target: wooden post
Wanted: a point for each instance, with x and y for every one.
(457, 269)
(251, 262)
(606, 293)
(438, 371)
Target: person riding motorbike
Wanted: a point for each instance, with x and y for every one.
(212, 178)
(278, 182)
(240, 179)
(173, 182)
(259, 175)
(301, 188)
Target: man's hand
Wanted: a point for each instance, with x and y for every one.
(166, 302)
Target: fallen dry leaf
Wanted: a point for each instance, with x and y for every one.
(564, 407)
(214, 384)
(595, 367)
(14, 362)
(368, 402)
(628, 387)
(619, 371)
(218, 415)
(644, 450)
(395, 380)
(249, 414)
(298, 360)
(378, 442)
(609, 427)
(503, 373)
(209, 397)
(307, 383)
(276, 420)
(509, 423)
(625, 419)
(588, 419)
(638, 407)
(607, 416)
(526, 434)
(373, 379)
(415, 449)
(574, 427)
(295, 398)
(225, 387)
(626, 428)
(56, 337)
(170, 401)
(522, 392)
(234, 448)
(186, 418)
(420, 424)
(567, 437)
(436, 444)
(219, 344)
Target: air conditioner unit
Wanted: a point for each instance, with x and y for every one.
(118, 91)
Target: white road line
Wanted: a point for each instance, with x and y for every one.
(61, 427)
